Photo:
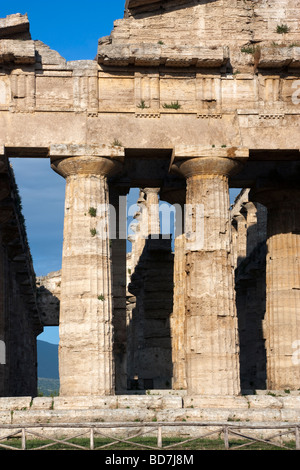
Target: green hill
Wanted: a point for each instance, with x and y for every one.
(48, 376)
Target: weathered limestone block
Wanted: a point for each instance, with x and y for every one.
(42, 403)
(84, 402)
(155, 55)
(16, 25)
(48, 298)
(212, 402)
(15, 403)
(150, 402)
(47, 56)
(17, 51)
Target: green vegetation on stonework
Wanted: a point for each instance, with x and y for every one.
(199, 444)
(142, 105)
(92, 211)
(116, 143)
(249, 49)
(282, 29)
(173, 105)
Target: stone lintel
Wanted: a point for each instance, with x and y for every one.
(59, 151)
(157, 54)
(17, 51)
(278, 57)
(187, 152)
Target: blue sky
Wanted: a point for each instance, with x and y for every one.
(72, 29)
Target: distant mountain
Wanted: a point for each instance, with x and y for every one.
(47, 360)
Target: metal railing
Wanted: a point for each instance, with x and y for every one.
(24, 433)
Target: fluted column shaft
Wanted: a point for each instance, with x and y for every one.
(211, 333)
(282, 321)
(211, 322)
(178, 316)
(86, 361)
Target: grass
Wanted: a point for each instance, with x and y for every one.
(249, 50)
(93, 211)
(117, 143)
(173, 105)
(199, 444)
(282, 29)
(142, 105)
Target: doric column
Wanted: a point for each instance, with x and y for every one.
(152, 204)
(177, 319)
(211, 335)
(86, 364)
(282, 321)
(118, 200)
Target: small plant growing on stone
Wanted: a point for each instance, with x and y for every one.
(142, 105)
(92, 211)
(282, 29)
(161, 43)
(173, 105)
(101, 297)
(117, 143)
(93, 232)
(248, 50)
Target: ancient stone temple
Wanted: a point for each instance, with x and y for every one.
(185, 100)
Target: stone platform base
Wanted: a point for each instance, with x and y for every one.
(267, 409)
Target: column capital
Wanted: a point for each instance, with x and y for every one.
(151, 190)
(68, 160)
(196, 161)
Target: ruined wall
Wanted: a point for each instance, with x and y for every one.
(48, 298)
(20, 322)
(212, 24)
(201, 54)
